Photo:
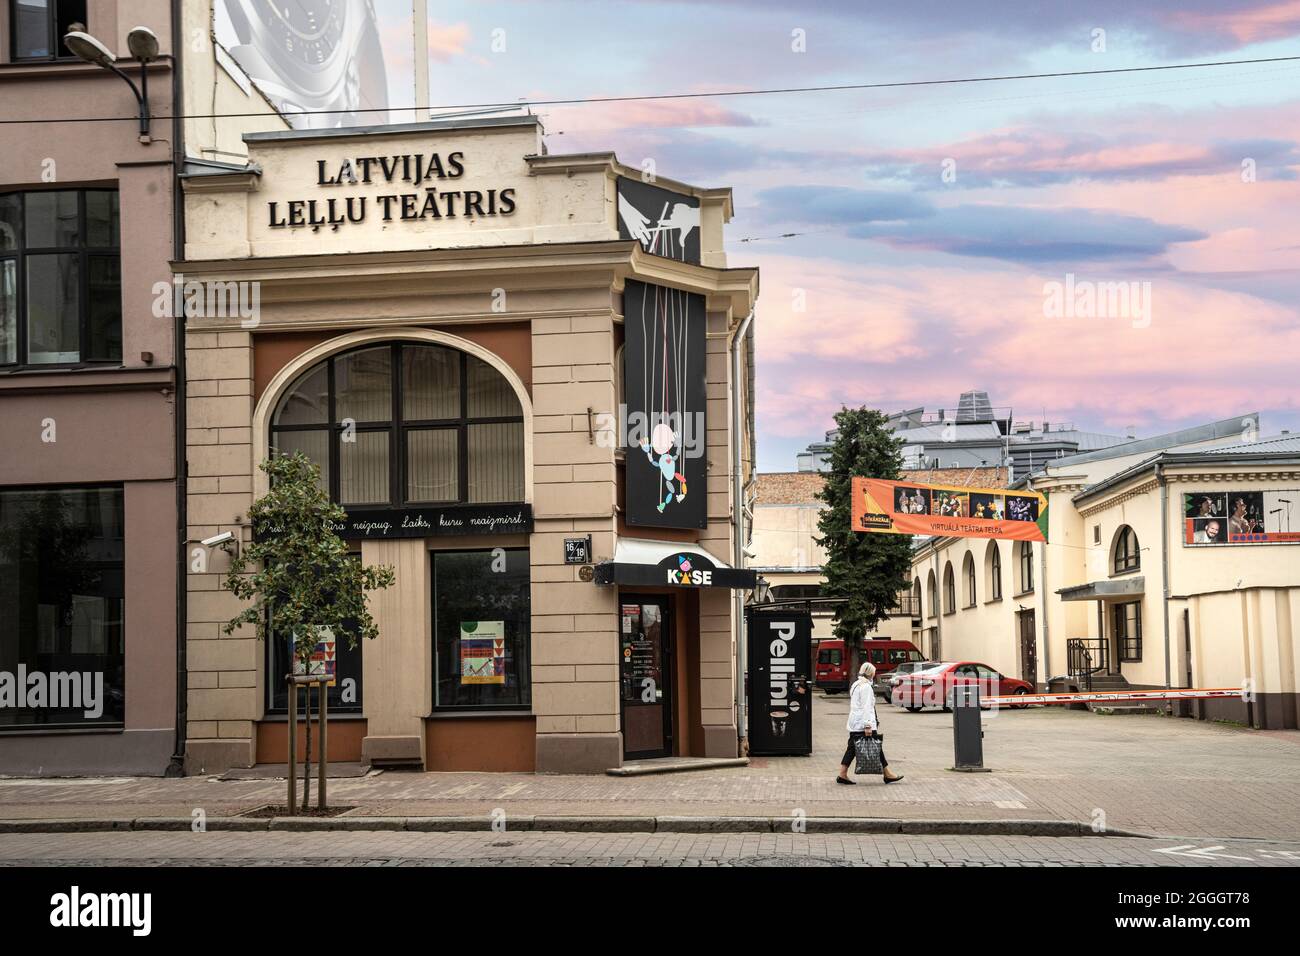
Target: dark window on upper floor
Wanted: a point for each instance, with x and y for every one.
(38, 27)
(60, 277)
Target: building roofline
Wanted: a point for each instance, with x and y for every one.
(394, 129)
(1187, 458)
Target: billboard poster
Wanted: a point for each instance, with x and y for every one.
(337, 62)
(904, 507)
(1223, 516)
(664, 222)
(664, 427)
(482, 652)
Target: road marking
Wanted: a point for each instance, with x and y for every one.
(1200, 853)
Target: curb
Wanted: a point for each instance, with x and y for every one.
(579, 824)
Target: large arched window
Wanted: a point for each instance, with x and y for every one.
(968, 572)
(406, 423)
(931, 596)
(1127, 556)
(993, 562)
(949, 590)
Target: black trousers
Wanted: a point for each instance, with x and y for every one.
(851, 752)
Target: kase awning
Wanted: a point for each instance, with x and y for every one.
(638, 561)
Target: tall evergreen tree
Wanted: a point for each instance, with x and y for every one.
(865, 570)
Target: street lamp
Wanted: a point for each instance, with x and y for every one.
(143, 44)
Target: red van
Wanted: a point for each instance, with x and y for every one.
(833, 663)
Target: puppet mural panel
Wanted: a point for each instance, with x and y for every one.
(663, 375)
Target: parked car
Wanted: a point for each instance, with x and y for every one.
(884, 683)
(933, 686)
(831, 672)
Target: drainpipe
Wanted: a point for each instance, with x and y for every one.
(738, 519)
(1164, 566)
(1041, 591)
(177, 766)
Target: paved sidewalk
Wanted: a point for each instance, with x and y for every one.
(1147, 774)
(622, 849)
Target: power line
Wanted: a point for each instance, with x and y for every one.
(582, 101)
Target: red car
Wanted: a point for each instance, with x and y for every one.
(933, 686)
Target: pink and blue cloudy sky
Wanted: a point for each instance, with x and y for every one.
(917, 289)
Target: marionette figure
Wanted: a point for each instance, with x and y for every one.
(663, 440)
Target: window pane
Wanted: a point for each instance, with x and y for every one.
(430, 383)
(363, 468)
(432, 468)
(496, 462)
(102, 219)
(8, 311)
(363, 385)
(105, 308)
(62, 590)
(11, 221)
(53, 316)
(69, 12)
(481, 629)
(489, 394)
(31, 28)
(347, 667)
(52, 220)
(307, 400)
(313, 444)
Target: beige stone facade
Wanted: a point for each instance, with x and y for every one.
(534, 296)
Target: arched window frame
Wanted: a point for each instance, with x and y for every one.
(1026, 555)
(397, 427)
(968, 574)
(1126, 555)
(949, 589)
(993, 561)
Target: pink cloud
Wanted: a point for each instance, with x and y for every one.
(1269, 22)
(896, 338)
(447, 40)
(650, 114)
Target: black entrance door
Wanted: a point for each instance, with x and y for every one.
(646, 640)
(1028, 647)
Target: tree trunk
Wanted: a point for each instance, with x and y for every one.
(306, 773)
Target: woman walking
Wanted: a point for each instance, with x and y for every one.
(863, 723)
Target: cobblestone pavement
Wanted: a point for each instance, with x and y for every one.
(1149, 774)
(624, 849)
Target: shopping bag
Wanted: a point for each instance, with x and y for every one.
(869, 750)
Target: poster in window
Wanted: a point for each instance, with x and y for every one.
(324, 657)
(482, 652)
(663, 374)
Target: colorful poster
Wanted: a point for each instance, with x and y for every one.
(666, 428)
(324, 657)
(903, 507)
(1241, 517)
(482, 652)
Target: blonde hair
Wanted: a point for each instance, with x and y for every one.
(867, 670)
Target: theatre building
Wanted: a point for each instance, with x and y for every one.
(528, 380)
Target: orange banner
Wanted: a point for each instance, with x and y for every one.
(906, 507)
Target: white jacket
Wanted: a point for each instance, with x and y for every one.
(862, 706)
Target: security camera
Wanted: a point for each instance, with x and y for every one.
(749, 552)
(219, 540)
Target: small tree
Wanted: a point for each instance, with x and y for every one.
(864, 570)
(305, 579)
